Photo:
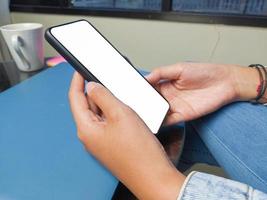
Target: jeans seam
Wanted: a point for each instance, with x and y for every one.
(235, 157)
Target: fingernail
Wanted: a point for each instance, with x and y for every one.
(90, 86)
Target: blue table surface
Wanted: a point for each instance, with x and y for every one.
(40, 154)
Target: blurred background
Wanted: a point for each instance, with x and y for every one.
(161, 32)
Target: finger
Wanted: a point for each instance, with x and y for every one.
(104, 99)
(171, 72)
(92, 106)
(78, 101)
(174, 118)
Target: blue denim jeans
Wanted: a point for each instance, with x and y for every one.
(234, 138)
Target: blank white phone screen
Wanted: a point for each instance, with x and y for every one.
(113, 71)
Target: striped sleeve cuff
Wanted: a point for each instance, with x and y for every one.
(202, 186)
(184, 185)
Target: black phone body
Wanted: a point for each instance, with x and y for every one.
(96, 59)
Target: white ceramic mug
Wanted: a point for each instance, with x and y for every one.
(25, 43)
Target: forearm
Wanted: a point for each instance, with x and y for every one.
(148, 175)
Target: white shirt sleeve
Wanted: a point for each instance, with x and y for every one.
(202, 186)
(184, 185)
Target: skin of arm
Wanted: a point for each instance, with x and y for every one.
(119, 139)
(197, 89)
(247, 81)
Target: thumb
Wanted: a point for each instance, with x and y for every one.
(103, 98)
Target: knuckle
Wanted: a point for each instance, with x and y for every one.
(127, 109)
(81, 130)
(97, 89)
(96, 92)
(115, 114)
(81, 135)
(120, 112)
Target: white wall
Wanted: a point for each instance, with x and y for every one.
(150, 43)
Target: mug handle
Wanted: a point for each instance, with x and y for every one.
(18, 43)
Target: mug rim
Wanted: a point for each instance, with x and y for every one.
(26, 26)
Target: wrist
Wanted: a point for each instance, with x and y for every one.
(163, 184)
(168, 185)
(263, 96)
(246, 81)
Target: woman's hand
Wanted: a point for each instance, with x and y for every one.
(120, 140)
(196, 89)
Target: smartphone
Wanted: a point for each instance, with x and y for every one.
(96, 59)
